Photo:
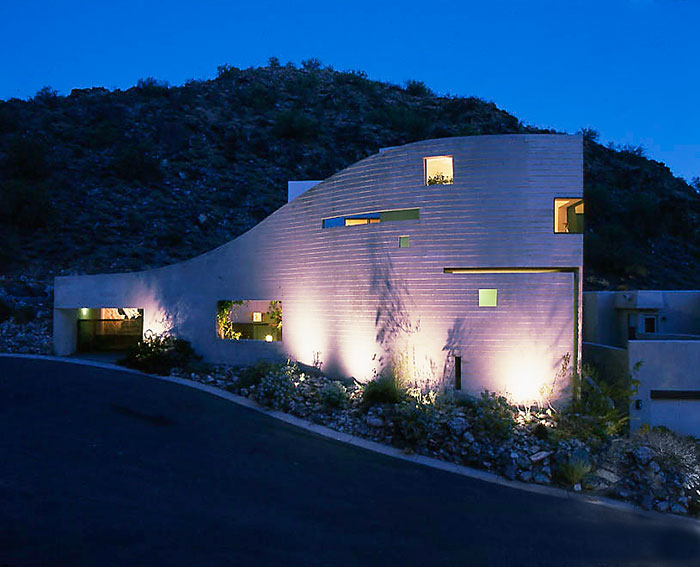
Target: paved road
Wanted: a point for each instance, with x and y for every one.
(101, 467)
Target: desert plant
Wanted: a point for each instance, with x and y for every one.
(572, 471)
(224, 310)
(440, 179)
(673, 452)
(276, 389)
(159, 353)
(274, 314)
(383, 389)
(252, 375)
(333, 395)
(414, 421)
(5, 310)
(137, 162)
(602, 408)
(492, 415)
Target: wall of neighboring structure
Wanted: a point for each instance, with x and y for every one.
(672, 367)
(352, 298)
(607, 314)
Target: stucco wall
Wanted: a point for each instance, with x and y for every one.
(605, 313)
(666, 365)
(352, 295)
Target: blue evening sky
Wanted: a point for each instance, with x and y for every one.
(627, 68)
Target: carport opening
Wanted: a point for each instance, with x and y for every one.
(109, 328)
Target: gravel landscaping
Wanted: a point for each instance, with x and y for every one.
(654, 468)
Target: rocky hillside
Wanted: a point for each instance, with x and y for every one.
(102, 181)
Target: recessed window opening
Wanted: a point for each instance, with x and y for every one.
(488, 298)
(109, 328)
(650, 323)
(404, 242)
(438, 170)
(249, 319)
(568, 216)
(372, 218)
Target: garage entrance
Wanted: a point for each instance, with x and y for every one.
(109, 329)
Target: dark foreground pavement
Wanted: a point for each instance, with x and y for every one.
(101, 467)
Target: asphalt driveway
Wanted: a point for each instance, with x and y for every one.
(103, 467)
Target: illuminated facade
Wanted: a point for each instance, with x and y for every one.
(462, 250)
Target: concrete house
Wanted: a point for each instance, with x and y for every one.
(653, 336)
(460, 257)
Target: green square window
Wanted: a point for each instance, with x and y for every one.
(404, 242)
(488, 297)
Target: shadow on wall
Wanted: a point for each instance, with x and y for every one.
(392, 321)
(457, 338)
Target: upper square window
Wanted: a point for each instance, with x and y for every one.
(438, 170)
(568, 215)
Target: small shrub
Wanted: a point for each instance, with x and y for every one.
(573, 470)
(492, 415)
(440, 179)
(674, 452)
(417, 88)
(276, 389)
(47, 95)
(602, 408)
(384, 389)
(153, 87)
(26, 205)
(137, 163)
(414, 422)
(252, 375)
(24, 314)
(5, 310)
(26, 157)
(159, 354)
(333, 395)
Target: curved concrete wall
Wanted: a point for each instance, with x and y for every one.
(352, 295)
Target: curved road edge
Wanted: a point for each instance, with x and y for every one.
(379, 447)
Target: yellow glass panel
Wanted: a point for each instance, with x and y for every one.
(355, 222)
(488, 298)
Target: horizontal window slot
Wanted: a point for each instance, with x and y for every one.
(674, 394)
(372, 218)
(506, 270)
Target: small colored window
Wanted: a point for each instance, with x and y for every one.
(438, 170)
(488, 297)
(404, 242)
(373, 218)
(568, 216)
(650, 324)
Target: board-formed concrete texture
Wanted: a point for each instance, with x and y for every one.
(405, 285)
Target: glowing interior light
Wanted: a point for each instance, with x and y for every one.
(438, 170)
(268, 338)
(257, 317)
(488, 298)
(84, 311)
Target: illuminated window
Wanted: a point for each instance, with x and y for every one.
(568, 216)
(251, 319)
(488, 297)
(404, 242)
(373, 218)
(438, 170)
